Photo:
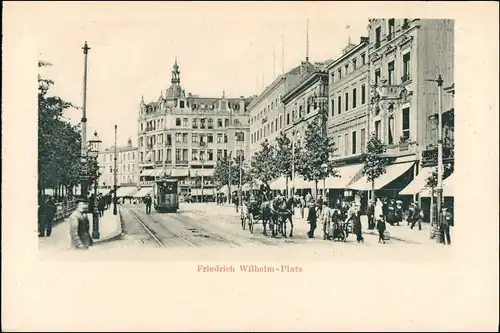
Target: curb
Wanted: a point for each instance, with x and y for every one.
(115, 237)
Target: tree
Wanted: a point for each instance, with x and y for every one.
(316, 152)
(263, 166)
(284, 157)
(221, 172)
(374, 161)
(59, 142)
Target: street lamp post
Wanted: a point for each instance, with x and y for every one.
(439, 190)
(115, 211)
(202, 179)
(94, 146)
(84, 176)
(241, 179)
(324, 168)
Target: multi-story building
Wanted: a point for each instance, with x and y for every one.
(266, 111)
(126, 165)
(184, 135)
(348, 112)
(405, 55)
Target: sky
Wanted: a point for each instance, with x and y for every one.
(219, 46)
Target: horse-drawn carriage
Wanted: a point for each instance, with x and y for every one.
(253, 213)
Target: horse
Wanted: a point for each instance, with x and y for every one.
(267, 217)
(286, 214)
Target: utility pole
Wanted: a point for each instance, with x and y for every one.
(85, 175)
(439, 191)
(115, 211)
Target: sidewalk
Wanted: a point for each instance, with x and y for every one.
(110, 229)
(401, 233)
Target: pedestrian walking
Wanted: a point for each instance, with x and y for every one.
(311, 218)
(371, 213)
(355, 217)
(416, 216)
(101, 205)
(446, 223)
(79, 227)
(50, 214)
(399, 212)
(379, 217)
(148, 202)
(42, 208)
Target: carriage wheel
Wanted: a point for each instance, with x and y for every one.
(250, 223)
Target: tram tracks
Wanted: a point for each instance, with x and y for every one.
(155, 234)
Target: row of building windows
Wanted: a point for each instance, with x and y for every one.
(348, 69)
(405, 128)
(275, 125)
(184, 138)
(183, 154)
(391, 30)
(391, 80)
(184, 122)
(270, 106)
(346, 148)
(129, 156)
(125, 168)
(337, 109)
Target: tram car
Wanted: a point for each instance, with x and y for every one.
(165, 195)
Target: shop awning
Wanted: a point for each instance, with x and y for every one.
(253, 185)
(143, 192)
(418, 183)
(180, 173)
(202, 172)
(147, 172)
(126, 191)
(346, 174)
(392, 171)
(280, 183)
(301, 183)
(448, 188)
(104, 191)
(206, 191)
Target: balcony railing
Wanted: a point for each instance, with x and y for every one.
(158, 162)
(181, 162)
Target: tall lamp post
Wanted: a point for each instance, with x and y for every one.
(439, 190)
(115, 211)
(202, 158)
(85, 175)
(94, 146)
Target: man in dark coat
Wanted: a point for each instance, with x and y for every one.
(79, 227)
(311, 218)
(148, 202)
(416, 216)
(446, 222)
(371, 212)
(50, 213)
(42, 208)
(355, 217)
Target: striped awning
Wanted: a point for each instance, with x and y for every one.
(143, 192)
(418, 183)
(346, 174)
(392, 172)
(126, 191)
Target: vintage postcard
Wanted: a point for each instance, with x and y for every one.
(252, 166)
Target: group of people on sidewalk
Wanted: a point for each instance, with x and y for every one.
(348, 214)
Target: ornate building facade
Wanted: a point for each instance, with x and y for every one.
(406, 56)
(184, 135)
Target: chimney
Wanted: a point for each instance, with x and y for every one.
(364, 40)
(129, 142)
